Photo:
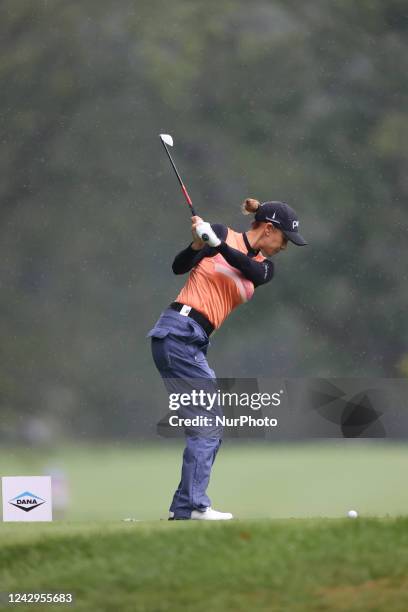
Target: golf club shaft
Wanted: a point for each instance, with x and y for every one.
(183, 187)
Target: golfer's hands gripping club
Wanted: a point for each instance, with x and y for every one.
(203, 234)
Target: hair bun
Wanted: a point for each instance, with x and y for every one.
(250, 206)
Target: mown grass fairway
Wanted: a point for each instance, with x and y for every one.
(110, 482)
(265, 560)
(290, 565)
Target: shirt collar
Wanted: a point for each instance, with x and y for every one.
(251, 252)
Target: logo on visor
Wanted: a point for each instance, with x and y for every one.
(272, 219)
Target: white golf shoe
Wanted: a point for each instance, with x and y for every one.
(210, 515)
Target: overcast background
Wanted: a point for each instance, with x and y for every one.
(302, 102)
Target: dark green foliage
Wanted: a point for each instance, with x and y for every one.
(305, 102)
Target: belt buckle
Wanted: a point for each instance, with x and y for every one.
(185, 310)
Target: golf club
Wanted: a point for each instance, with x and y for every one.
(168, 140)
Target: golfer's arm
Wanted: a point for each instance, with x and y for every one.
(188, 258)
(258, 272)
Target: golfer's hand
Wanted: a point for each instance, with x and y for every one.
(205, 229)
(200, 228)
(197, 242)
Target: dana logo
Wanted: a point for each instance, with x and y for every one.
(27, 501)
(295, 224)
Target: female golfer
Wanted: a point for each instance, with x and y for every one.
(224, 272)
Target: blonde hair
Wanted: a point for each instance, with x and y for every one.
(250, 206)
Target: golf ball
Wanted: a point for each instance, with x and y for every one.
(352, 514)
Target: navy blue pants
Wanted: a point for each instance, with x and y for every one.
(179, 348)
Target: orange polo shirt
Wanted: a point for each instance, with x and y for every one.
(215, 288)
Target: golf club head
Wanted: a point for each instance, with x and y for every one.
(167, 139)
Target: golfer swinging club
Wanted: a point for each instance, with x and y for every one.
(224, 271)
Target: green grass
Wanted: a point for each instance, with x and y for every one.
(109, 482)
(263, 561)
(283, 565)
